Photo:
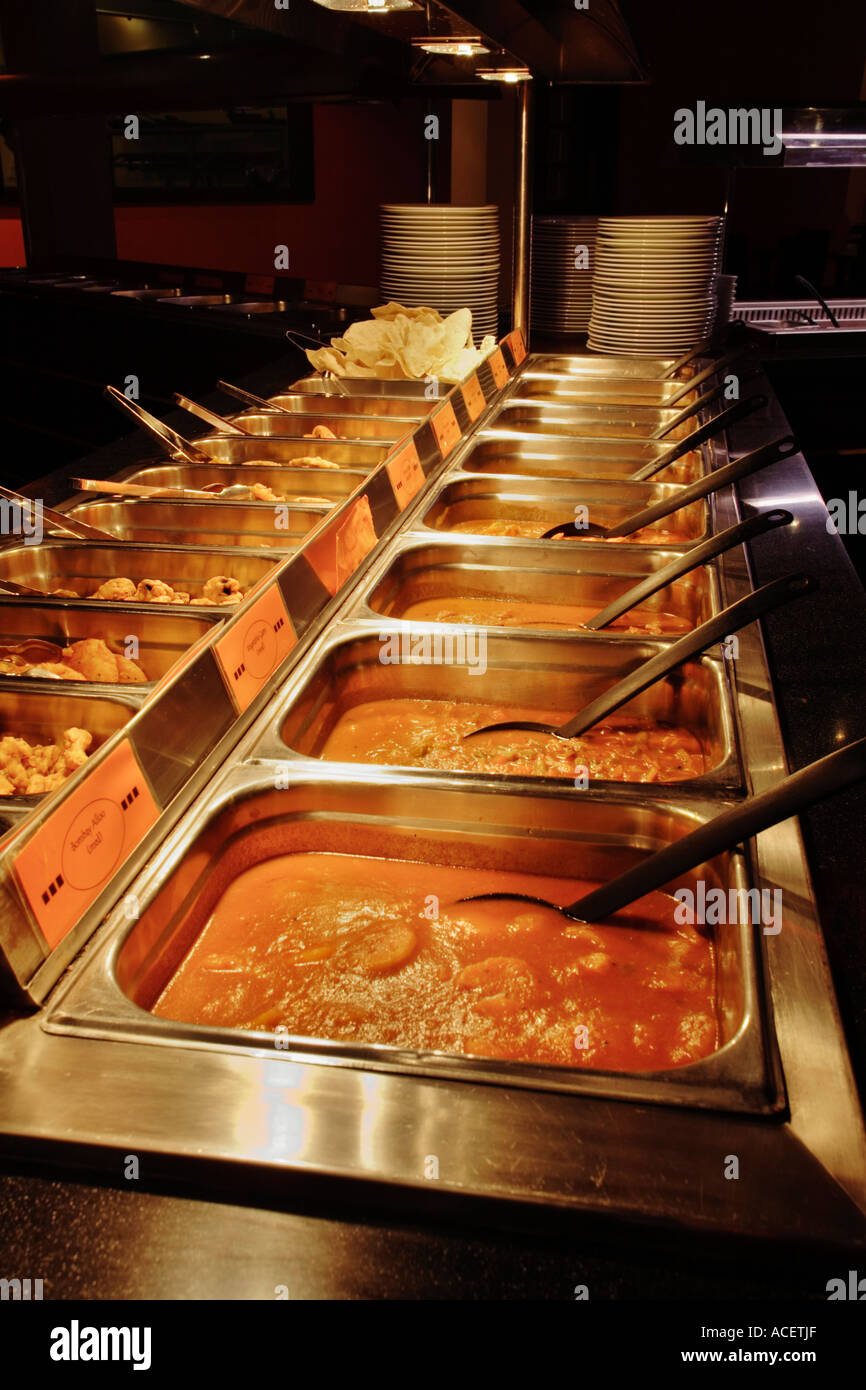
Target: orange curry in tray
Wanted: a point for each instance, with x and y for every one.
(377, 951)
(534, 530)
(531, 613)
(429, 733)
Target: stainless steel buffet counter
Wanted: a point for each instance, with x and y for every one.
(352, 1119)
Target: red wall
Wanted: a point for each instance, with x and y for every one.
(365, 155)
(11, 238)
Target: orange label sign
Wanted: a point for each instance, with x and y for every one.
(322, 557)
(406, 474)
(446, 428)
(254, 646)
(498, 368)
(474, 398)
(72, 856)
(356, 537)
(518, 346)
(181, 664)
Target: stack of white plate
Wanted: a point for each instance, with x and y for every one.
(653, 290)
(563, 257)
(445, 256)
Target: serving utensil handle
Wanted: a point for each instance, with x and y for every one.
(738, 411)
(162, 433)
(802, 789)
(691, 560)
(730, 620)
(721, 477)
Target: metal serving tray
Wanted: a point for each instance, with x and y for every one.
(508, 451)
(41, 715)
(591, 421)
(554, 387)
(305, 403)
(488, 568)
(595, 364)
(334, 483)
(220, 524)
(347, 428)
(163, 632)
(361, 386)
(248, 821)
(517, 670)
(494, 498)
(235, 450)
(57, 564)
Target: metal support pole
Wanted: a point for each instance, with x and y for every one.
(522, 213)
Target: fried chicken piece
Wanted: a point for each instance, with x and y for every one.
(154, 591)
(96, 662)
(321, 432)
(312, 461)
(64, 593)
(262, 493)
(116, 590)
(129, 672)
(219, 591)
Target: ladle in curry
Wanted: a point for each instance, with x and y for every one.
(167, 437)
(730, 620)
(704, 487)
(692, 559)
(796, 793)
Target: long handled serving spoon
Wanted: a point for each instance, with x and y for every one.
(731, 619)
(704, 487)
(727, 360)
(686, 358)
(167, 437)
(796, 793)
(692, 559)
(738, 411)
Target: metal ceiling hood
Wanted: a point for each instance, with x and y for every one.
(557, 41)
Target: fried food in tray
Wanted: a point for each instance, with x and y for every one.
(430, 733)
(31, 769)
(90, 659)
(219, 591)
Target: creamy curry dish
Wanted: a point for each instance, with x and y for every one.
(529, 613)
(534, 530)
(340, 947)
(430, 733)
(27, 769)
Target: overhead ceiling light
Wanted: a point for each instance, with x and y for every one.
(509, 75)
(368, 6)
(468, 47)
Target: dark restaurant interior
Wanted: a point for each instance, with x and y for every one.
(388, 389)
